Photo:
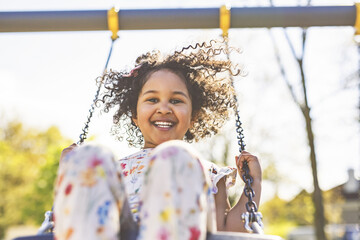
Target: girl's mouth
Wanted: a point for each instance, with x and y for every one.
(163, 124)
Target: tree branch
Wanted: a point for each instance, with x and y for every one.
(282, 71)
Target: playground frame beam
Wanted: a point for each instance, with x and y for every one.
(198, 18)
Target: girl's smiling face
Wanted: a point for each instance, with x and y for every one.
(164, 108)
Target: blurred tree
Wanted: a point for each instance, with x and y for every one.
(28, 165)
(306, 111)
(272, 175)
(300, 209)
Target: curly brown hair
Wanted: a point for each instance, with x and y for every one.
(206, 78)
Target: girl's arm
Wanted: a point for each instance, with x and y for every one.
(230, 219)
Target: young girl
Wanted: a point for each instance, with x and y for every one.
(164, 102)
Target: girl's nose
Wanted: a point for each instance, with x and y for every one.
(164, 109)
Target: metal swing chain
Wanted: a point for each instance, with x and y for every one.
(48, 223)
(252, 216)
(113, 24)
(85, 130)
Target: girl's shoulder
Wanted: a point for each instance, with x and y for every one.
(143, 153)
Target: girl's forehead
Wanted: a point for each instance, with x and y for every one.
(165, 78)
(163, 71)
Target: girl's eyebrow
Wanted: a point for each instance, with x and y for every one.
(174, 92)
(149, 91)
(181, 93)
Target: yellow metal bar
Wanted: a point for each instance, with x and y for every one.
(225, 16)
(113, 22)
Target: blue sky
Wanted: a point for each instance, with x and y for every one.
(49, 79)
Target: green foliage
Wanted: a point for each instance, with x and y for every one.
(301, 209)
(333, 205)
(281, 216)
(279, 229)
(28, 165)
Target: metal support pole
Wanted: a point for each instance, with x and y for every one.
(199, 18)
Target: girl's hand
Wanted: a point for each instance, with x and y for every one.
(253, 163)
(67, 150)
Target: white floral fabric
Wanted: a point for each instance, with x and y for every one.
(169, 190)
(134, 166)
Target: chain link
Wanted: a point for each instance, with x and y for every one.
(85, 130)
(248, 191)
(239, 130)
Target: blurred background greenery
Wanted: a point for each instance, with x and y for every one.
(28, 166)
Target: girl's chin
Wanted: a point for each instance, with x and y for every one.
(164, 140)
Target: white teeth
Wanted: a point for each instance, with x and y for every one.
(163, 124)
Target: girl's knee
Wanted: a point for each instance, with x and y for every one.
(89, 155)
(89, 166)
(87, 163)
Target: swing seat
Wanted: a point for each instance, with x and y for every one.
(129, 230)
(47, 236)
(210, 236)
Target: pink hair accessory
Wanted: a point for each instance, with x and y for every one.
(133, 72)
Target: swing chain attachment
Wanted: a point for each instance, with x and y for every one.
(256, 226)
(252, 218)
(357, 19)
(48, 224)
(225, 19)
(113, 22)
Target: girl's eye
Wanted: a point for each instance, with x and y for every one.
(175, 101)
(153, 100)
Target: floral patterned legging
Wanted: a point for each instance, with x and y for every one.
(176, 201)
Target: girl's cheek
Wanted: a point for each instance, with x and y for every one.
(186, 111)
(147, 107)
